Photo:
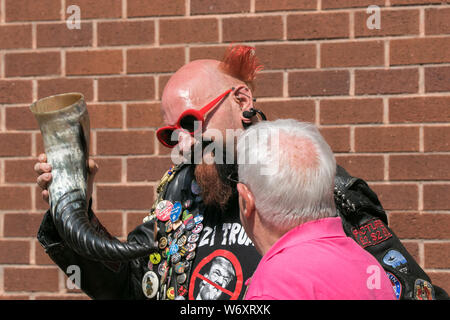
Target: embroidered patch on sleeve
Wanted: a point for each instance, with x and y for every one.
(371, 233)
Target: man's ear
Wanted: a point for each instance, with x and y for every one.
(248, 200)
(243, 96)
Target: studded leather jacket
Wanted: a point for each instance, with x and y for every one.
(363, 218)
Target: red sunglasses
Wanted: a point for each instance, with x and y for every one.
(186, 122)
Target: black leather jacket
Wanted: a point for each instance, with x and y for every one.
(363, 219)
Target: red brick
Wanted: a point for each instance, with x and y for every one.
(30, 279)
(112, 221)
(15, 91)
(144, 115)
(319, 83)
(32, 64)
(147, 169)
(62, 297)
(437, 79)
(218, 6)
(144, 8)
(134, 219)
(337, 138)
(369, 168)
(94, 62)
(302, 110)
(285, 56)
(345, 111)
(385, 139)
(14, 252)
(408, 2)
(188, 30)
(15, 144)
(284, 5)
(125, 142)
(269, 84)
(164, 151)
(98, 9)
(39, 144)
(393, 23)
(419, 51)
(437, 139)
(413, 249)
(31, 10)
(349, 54)
(20, 118)
(386, 81)
(22, 224)
(419, 167)
(336, 4)
(49, 87)
(117, 33)
(126, 88)
(39, 202)
(420, 226)
(437, 21)
(110, 170)
(155, 60)
(420, 109)
(20, 171)
(209, 52)
(435, 196)
(397, 196)
(252, 28)
(441, 279)
(15, 198)
(318, 26)
(14, 297)
(162, 81)
(124, 197)
(15, 36)
(41, 257)
(437, 255)
(58, 35)
(105, 115)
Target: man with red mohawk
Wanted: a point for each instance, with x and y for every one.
(201, 250)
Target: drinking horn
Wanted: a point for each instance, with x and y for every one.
(64, 123)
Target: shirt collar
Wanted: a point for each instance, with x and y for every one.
(316, 229)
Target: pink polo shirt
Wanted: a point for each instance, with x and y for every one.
(316, 260)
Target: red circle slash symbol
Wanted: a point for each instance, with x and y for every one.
(237, 267)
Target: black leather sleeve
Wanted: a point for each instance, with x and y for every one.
(99, 280)
(365, 220)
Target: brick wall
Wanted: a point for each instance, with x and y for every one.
(380, 97)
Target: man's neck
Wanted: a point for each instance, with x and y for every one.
(268, 242)
(267, 237)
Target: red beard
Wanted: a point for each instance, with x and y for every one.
(215, 191)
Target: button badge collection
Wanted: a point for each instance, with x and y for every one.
(178, 228)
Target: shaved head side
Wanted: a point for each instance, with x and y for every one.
(193, 85)
(189, 87)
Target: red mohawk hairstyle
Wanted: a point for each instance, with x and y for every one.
(241, 62)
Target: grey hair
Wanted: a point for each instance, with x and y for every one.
(300, 186)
